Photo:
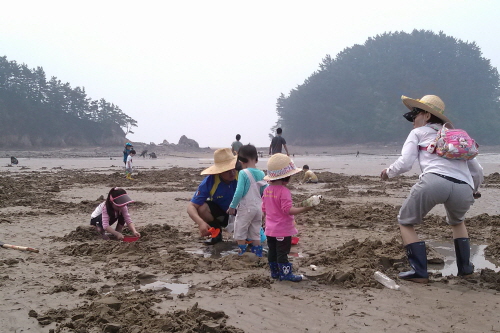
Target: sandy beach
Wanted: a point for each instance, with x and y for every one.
(169, 281)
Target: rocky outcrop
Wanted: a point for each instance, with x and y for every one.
(69, 133)
(184, 141)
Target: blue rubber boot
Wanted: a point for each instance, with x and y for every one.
(257, 249)
(275, 271)
(417, 257)
(462, 251)
(243, 249)
(286, 273)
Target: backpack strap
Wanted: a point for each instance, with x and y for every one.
(217, 181)
(214, 187)
(432, 147)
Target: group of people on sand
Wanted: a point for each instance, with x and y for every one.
(252, 196)
(249, 194)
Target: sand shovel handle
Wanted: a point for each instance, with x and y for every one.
(16, 247)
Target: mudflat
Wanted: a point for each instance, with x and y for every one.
(169, 281)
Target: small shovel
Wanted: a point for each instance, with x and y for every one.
(15, 247)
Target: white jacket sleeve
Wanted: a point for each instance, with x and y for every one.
(409, 154)
(476, 171)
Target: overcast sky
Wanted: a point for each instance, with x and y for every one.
(211, 69)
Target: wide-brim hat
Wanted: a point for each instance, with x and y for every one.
(224, 160)
(430, 103)
(121, 197)
(280, 166)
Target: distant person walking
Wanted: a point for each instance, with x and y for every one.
(236, 145)
(277, 142)
(129, 166)
(126, 151)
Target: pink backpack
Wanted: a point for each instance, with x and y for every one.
(454, 144)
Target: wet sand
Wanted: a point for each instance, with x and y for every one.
(168, 281)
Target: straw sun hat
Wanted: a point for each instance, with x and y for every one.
(430, 103)
(280, 166)
(224, 161)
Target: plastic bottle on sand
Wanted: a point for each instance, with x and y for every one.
(385, 280)
(312, 201)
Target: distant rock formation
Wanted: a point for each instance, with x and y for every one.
(188, 143)
(68, 131)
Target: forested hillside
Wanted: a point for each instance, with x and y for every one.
(39, 112)
(355, 98)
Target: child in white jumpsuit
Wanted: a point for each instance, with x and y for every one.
(248, 200)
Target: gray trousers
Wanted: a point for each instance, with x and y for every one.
(432, 190)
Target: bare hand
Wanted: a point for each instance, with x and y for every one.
(119, 236)
(477, 195)
(136, 234)
(231, 211)
(383, 175)
(204, 230)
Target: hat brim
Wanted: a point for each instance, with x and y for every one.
(221, 167)
(122, 200)
(411, 103)
(290, 173)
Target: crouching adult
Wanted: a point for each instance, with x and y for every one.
(214, 194)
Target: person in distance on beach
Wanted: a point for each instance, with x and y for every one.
(129, 166)
(309, 176)
(277, 143)
(236, 145)
(126, 151)
(209, 205)
(451, 182)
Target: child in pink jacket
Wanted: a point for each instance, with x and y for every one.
(278, 207)
(114, 209)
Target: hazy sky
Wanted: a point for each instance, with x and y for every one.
(211, 69)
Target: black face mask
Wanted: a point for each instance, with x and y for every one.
(410, 116)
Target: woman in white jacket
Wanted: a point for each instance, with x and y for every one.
(453, 183)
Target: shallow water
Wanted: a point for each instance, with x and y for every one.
(223, 249)
(447, 250)
(174, 288)
(365, 164)
(151, 284)
(218, 250)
